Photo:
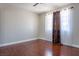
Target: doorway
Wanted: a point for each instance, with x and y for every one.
(56, 27)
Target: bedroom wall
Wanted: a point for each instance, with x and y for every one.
(43, 31)
(75, 18)
(73, 38)
(17, 24)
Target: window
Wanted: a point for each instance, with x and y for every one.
(65, 20)
(48, 22)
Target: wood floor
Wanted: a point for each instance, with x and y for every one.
(38, 48)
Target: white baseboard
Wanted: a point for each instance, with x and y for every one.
(77, 46)
(7, 44)
(72, 45)
(45, 39)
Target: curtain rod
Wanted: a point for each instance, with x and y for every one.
(51, 11)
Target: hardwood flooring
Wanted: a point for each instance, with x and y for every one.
(63, 50)
(38, 48)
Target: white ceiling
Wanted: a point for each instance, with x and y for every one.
(40, 8)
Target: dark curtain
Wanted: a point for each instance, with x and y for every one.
(56, 27)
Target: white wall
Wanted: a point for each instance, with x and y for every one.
(43, 31)
(17, 24)
(41, 28)
(73, 38)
